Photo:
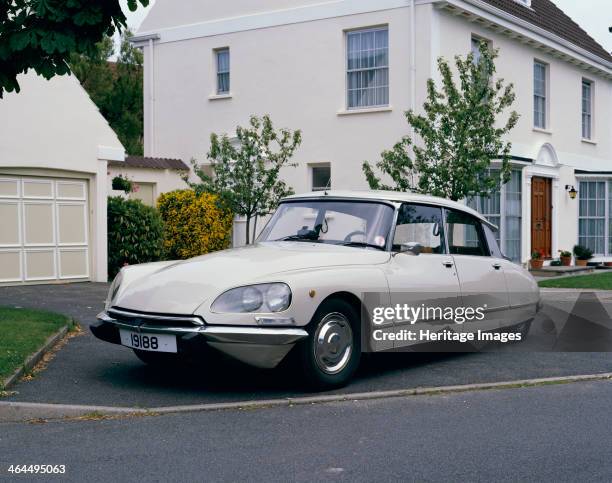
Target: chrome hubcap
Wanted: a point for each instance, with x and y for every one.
(333, 343)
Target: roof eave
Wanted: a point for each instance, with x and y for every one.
(490, 14)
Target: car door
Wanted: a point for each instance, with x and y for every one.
(481, 275)
(426, 279)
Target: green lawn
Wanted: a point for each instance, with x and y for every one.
(597, 281)
(23, 332)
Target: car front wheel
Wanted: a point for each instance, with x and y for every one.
(331, 353)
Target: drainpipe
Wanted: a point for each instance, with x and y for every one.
(151, 98)
(141, 41)
(412, 55)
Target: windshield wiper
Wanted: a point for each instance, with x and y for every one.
(298, 238)
(361, 244)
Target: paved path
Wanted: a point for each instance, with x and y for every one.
(547, 433)
(88, 371)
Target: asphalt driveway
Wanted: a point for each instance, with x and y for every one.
(88, 371)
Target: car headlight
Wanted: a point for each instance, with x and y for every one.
(114, 289)
(262, 298)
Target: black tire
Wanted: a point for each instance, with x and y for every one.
(325, 357)
(159, 359)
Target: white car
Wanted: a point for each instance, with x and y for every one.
(322, 264)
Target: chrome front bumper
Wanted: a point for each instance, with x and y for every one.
(258, 346)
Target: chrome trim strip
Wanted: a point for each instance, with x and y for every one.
(138, 315)
(221, 334)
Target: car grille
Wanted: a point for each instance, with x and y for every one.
(136, 319)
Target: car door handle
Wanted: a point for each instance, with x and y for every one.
(497, 266)
(447, 263)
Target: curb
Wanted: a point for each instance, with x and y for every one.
(23, 411)
(34, 359)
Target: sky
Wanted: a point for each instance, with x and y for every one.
(594, 16)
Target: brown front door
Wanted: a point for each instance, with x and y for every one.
(541, 215)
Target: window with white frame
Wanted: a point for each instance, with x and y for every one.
(587, 109)
(592, 227)
(367, 68)
(475, 47)
(540, 90)
(222, 57)
(503, 208)
(321, 177)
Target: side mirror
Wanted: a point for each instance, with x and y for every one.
(413, 248)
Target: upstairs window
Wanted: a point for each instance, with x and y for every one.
(539, 95)
(368, 68)
(475, 47)
(223, 71)
(587, 109)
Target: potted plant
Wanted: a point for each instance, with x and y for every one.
(583, 255)
(566, 258)
(121, 183)
(536, 260)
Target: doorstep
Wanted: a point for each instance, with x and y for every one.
(549, 271)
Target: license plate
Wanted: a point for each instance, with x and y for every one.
(148, 342)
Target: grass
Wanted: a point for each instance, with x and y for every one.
(597, 281)
(23, 332)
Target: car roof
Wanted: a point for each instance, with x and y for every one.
(394, 196)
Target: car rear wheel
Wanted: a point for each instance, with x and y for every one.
(331, 353)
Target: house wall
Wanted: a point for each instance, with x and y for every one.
(53, 129)
(295, 73)
(563, 134)
(164, 180)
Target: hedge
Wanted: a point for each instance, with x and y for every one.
(194, 224)
(135, 233)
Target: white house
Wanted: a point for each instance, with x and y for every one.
(344, 71)
(151, 177)
(54, 150)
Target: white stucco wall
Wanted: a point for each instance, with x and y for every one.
(164, 180)
(296, 73)
(52, 128)
(563, 134)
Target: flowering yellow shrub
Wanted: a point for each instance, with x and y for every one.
(194, 224)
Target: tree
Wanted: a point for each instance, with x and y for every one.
(460, 132)
(41, 34)
(124, 108)
(115, 87)
(93, 71)
(246, 171)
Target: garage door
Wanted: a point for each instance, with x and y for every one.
(44, 229)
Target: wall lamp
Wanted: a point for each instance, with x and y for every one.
(571, 191)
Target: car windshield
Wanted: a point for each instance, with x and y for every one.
(351, 223)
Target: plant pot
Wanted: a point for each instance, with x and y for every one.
(581, 263)
(566, 261)
(536, 264)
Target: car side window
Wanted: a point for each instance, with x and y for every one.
(492, 242)
(419, 224)
(465, 234)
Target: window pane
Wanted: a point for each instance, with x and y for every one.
(223, 71)
(321, 178)
(367, 64)
(465, 236)
(539, 95)
(419, 224)
(591, 221)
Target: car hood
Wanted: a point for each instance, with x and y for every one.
(181, 287)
